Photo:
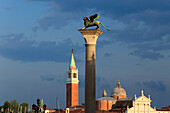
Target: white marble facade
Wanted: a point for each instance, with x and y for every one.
(142, 104)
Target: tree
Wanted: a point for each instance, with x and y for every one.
(25, 107)
(14, 105)
(6, 104)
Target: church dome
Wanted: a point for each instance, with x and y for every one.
(118, 92)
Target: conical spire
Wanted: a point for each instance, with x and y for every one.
(104, 93)
(42, 103)
(118, 84)
(72, 63)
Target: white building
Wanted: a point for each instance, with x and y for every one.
(142, 104)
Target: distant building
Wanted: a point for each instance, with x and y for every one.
(105, 103)
(165, 109)
(72, 84)
(118, 102)
(55, 111)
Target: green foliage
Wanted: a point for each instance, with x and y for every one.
(14, 105)
(25, 107)
(6, 104)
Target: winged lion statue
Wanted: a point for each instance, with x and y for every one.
(92, 22)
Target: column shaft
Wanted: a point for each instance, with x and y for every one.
(90, 36)
(90, 81)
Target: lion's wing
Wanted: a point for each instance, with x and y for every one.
(93, 17)
(96, 18)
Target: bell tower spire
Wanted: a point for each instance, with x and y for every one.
(72, 84)
(72, 63)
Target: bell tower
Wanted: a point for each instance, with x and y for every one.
(72, 84)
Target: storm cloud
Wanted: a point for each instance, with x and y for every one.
(18, 47)
(135, 23)
(43, 32)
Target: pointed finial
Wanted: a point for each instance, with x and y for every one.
(141, 92)
(104, 93)
(72, 50)
(118, 84)
(149, 96)
(135, 96)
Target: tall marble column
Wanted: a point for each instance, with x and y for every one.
(90, 37)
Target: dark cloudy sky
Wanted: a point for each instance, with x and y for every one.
(36, 38)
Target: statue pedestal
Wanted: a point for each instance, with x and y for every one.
(90, 37)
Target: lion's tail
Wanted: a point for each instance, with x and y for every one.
(104, 26)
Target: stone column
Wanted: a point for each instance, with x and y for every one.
(90, 37)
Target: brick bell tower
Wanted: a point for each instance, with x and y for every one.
(72, 84)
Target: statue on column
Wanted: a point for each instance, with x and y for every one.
(92, 22)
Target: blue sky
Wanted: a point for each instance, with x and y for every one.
(36, 38)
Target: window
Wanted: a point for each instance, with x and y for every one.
(117, 97)
(74, 75)
(69, 75)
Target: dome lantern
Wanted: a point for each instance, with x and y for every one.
(118, 92)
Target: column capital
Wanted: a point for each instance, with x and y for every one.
(90, 35)
(95, 32)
